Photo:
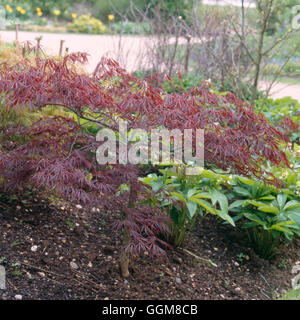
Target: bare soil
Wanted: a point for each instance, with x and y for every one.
(77, 258)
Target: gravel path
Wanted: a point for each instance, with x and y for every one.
(95, 45)
(281, 90)
(133, 48)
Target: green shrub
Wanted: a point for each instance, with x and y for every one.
(277, 110)
(271, 217)
(87, 24)
(185, 198)
(292, 68)
(184, 83)
(128, 27)
(120, 8)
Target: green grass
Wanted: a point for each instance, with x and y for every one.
(285, 79)
(290, 80)
(291, 295)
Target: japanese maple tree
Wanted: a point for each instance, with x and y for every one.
(57, 153)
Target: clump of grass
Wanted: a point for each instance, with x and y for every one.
(17, 116)
(291, 295)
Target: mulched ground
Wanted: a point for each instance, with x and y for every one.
(64, 252)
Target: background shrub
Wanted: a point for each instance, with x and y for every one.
(87, 24)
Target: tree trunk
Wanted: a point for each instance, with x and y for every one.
(124, 257)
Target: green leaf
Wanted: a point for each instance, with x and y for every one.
(279, 228)
(246, 181)
(191, 192)
(178, 196)
(250, 225)
(267, 198)
(293, 204)
(217, 196)
(156, 186)
(226, 217)
(208, 174)
(236, 204)
(292, 178)
(202, 195)
(242, 191)
(281, 199)
(253, 217)
(192, 208)
(269, 209)
(253, 203)
(207, 206)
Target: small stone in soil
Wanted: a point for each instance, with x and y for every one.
(177, 259)
(18, 297)
(29, 276)
(178, 280)
(34, 248)
(73, 265)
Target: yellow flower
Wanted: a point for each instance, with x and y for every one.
(19, 9)
(56, 12)
(40, 13)
(74, 15)
(111, 17)
(8, 8)
(38, 10)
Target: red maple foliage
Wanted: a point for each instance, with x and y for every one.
(58, 153)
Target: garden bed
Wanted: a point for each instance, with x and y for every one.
(77, 258)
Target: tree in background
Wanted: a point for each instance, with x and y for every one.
(258, 49)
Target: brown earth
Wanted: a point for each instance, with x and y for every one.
(70, 234)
